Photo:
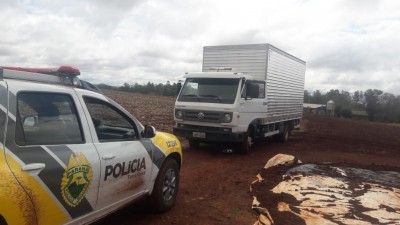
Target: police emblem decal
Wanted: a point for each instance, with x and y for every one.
(76, 179)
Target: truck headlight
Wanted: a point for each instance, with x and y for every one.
(227, 118)
(178, 114)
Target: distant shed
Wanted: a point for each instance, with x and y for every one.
(314, 108)
(359, 114)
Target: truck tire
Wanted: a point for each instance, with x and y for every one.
(166, 187)
(283, 137)
(245, 145)
(194, 143)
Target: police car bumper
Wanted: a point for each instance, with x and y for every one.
(207, 134)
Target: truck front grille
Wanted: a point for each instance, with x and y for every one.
(204, 116)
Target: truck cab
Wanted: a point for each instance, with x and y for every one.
(218, 107)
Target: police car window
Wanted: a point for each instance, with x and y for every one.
(47, 118)
(110, 123)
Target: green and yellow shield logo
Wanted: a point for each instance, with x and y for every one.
(76, 179)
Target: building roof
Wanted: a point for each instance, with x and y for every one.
(312, 106)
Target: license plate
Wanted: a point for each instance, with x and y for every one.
(199, 134)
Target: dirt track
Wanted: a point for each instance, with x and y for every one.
(214, 186)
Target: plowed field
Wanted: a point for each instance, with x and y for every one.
(214, 186)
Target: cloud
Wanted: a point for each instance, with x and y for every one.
(347, 45)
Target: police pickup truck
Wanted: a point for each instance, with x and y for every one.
(70, 155)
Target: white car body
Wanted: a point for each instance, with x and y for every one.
(79, 171)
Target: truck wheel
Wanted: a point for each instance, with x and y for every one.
(194, 143)
(166, 187)
(245, 145)
(283, 137)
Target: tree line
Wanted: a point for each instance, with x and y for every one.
(167, 89)
(379, 106)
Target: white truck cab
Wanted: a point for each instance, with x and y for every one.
(70, 155)
(260, 96)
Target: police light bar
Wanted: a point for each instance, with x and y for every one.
(61, 71)
(66, 75)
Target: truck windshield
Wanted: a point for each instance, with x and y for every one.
(212, 90)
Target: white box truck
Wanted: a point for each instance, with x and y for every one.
(244, 92)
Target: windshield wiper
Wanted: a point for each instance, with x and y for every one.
(212, 96)
(191, 95)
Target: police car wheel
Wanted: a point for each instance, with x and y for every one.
(2, 220)
(166, 187)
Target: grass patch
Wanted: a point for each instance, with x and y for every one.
(235, 211)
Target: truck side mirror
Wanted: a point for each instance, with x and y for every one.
(178, 87)
(251, 91)
(254, 90)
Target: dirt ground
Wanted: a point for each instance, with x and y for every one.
(214, 186)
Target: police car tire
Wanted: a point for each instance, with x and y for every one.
(157, 200)
(2, 220)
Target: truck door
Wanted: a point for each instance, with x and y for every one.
(50, 151)
(254, 100)
(125, 163)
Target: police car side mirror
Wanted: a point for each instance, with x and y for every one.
(148, 132)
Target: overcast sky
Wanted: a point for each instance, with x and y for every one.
(347, 44)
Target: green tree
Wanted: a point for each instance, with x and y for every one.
(358, 100)
(318, 98)
(373, 105)
(307, 97)
(389, 107)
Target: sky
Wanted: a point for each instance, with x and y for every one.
(348, 44)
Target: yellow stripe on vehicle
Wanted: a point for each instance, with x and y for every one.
(15, 205)
(168, 143)
(47, 209)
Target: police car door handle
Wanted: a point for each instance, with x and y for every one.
(108, 156)
(33, 166)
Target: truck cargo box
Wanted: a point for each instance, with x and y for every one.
(284, 74)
